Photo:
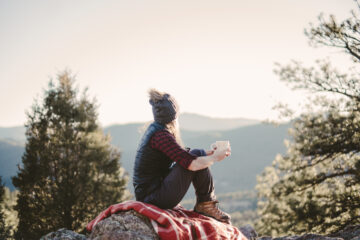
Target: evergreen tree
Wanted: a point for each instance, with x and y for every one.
(4, 230)
(70, 171)
(315, 187)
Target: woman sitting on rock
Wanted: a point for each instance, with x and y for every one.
(164, 170)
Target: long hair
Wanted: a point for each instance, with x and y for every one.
(174, 129)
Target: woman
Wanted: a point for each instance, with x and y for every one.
(164, 170)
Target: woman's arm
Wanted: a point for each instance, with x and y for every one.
(166, 143)
(206, 161)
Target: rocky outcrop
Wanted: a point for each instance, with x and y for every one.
(134, 226)
(124, 225)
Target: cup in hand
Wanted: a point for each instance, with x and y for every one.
(222, 145)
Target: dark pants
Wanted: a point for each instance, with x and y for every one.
(176, 184)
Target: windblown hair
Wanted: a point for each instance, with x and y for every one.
(173, 127)
(155, 95)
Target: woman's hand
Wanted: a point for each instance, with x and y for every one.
(213, 146)
(228, 153)
(209, 152)
(212, 149)
(214, 155)
(221, 154)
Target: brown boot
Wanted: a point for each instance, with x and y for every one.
(211, 209)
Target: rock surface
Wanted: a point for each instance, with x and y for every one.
(134, 226)
(124, 225)
(249, 232)
(63, 234)
(349, 233)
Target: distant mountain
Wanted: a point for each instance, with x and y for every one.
(253, 148)
(126, 136)
(188, 121)
(10, 156)
(14, 133)
(195, 122)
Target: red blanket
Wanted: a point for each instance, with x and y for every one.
(176, 223)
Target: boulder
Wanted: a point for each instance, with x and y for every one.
(124, 225)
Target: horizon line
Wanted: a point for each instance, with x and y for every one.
(145, 121)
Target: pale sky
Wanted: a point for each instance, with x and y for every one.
(215, 57)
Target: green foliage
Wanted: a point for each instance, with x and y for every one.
(70, 171)
(4, 229)
(11, 219)
(315, 186)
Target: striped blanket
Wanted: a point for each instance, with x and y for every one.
(177, 223)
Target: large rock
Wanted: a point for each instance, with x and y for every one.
(134, 226)
(124, 225)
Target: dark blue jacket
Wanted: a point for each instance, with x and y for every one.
(151, 166)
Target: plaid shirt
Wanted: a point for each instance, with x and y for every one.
(165, 142)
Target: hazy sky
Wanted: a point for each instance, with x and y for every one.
(215, 57)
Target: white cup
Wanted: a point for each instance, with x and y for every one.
(222, 144)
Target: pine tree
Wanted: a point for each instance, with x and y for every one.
(315, 186)
(4, 230)
(70, 171)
